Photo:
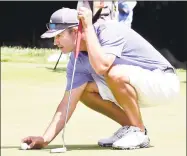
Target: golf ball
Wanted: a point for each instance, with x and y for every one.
(24, 146)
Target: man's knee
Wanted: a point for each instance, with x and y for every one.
(116, 75)
(91, 88)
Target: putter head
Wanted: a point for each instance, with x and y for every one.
(59, 150)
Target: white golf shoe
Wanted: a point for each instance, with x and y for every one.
(134, 138)
(107, 142)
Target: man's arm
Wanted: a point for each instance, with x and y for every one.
(58, 120)
(103, 47)
(100, 61)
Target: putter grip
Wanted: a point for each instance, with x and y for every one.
(78, 39)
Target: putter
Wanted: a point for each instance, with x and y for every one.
(94, 19)
(64, 149)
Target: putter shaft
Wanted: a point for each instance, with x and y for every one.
(69, 100)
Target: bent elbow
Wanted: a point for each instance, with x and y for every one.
(101, 70)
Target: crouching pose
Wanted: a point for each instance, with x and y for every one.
(117, 72)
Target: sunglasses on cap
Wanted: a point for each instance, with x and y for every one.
(59, 26)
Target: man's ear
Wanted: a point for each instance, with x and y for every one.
(75, 29)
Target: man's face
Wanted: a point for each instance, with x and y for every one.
(66, 41)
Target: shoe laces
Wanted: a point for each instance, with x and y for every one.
(121, 132)
(133, 129)
(127, 129)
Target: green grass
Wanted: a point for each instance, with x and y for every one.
(40, 73)
(30, 94)
(26, 55)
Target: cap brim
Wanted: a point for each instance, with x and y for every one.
(51, 33)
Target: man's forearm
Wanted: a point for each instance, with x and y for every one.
(54, 128)
(96, 55)
(58, 122)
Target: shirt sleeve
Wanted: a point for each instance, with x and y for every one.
(111, 39)
(81, 75)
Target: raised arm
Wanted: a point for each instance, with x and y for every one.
(103, 42)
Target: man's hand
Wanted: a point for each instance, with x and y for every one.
(35, 142)
(57, 123)
(85, 15)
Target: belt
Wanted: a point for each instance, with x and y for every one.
(169, 70)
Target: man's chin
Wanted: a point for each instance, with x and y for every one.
(66, 52)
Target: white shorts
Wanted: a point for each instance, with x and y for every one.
(153, 87)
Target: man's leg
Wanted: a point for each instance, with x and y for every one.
(125, 95)
(93, 100)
